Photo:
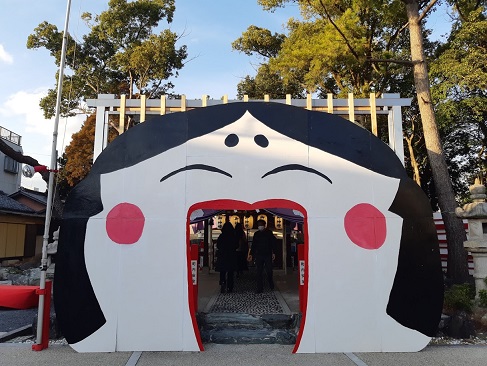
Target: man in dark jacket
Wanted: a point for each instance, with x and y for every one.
(262, 250)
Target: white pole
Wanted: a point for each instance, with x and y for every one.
(50, 186)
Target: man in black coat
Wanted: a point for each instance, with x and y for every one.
(262, 250)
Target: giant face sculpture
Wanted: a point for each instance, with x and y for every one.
(373, 274)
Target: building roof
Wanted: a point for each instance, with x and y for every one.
(37, 196)
(9, 204)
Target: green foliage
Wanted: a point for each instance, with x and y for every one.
(256, 40)
(483, 298)
(459, 298)
(155, 59)
(336, 44)
(459, 77)
(269, 83)
(271, 4)
(331, 51)
(120, 55)
(338, 47)
(261, 42)
(14, 270)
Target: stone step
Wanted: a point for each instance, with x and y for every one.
(242, 328)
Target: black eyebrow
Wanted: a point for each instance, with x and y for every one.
(196, 166)
(296, 167)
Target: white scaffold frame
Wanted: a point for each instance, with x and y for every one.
(388, 104)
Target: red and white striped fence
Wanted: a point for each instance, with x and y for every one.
(440, 231)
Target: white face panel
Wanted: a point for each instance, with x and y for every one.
(142, 288)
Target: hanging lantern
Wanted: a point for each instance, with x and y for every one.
(234, 219)
(278, 222)
(248, 222)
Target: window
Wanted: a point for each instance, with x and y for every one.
(10, 165)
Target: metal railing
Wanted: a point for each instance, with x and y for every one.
(10, 136)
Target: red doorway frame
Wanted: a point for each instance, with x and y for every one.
(229, 204)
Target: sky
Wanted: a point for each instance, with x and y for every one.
(208, 29)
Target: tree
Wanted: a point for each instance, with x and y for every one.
(336, 50)
(119, 55)
(455, 233)
(261, 42)
(339, 46)
(459, 77)
(358, 46)
(77, 159)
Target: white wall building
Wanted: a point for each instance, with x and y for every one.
(10, 171)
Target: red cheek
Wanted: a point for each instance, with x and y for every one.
(125, 223)
(366, 226)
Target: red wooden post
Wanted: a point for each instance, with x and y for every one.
(46, 323)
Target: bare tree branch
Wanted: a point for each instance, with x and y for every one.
(390, 60)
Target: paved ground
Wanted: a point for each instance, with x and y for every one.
(244, 299)
(11, 319)
(255, 355)
(209, 290)
(17, 354)
(208, 298)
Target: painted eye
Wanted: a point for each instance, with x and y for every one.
(366, 226)
(261, 140)
(231, 140)
(125, 223)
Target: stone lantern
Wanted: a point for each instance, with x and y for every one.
(476, 214)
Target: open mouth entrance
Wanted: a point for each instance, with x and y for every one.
(241, 309)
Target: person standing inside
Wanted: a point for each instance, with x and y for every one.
(227, 244)
(242, 250)
(262, 250)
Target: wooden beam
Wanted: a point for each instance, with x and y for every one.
(330, 103)
(121, 121)
(142, 108)
(373, 114)
(163, 105)
(183, 103)
(309, 102)
(351, 108)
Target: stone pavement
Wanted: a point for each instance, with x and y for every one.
(237, 355)
(209, 298)
(18, 354)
